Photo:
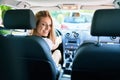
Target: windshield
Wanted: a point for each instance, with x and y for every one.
(68, 19)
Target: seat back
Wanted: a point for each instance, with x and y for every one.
(24, 57)
(99, 61)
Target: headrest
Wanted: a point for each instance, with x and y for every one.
(19, 19)
(106, 22)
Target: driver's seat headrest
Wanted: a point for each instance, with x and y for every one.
(106, 22)
(19, 19)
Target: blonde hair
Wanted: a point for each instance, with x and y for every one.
(39, 15)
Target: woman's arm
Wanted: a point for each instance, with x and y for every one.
(57, 43)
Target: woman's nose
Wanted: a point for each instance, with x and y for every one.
(47, 27)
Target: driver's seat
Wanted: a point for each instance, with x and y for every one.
(24, 57)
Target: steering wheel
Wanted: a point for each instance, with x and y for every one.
(58, 32)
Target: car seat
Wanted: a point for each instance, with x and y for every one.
(24, 57)
(96, 60)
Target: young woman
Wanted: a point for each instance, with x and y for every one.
(45, 29)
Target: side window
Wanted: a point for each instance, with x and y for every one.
(3, 9)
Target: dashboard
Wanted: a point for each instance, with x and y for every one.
(73, 39)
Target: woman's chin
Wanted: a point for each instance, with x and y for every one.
(45, 35)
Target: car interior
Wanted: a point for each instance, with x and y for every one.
(89, 34)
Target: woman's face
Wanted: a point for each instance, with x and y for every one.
(44, 27)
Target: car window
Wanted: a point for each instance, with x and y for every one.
(67, 18)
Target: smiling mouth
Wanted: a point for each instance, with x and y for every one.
(46, 32)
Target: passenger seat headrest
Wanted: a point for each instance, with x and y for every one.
(106, 22)
(19, 19)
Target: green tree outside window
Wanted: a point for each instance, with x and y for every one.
(3, 9)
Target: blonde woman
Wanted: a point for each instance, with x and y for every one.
(45, 29)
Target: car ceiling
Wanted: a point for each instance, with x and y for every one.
(57, 4)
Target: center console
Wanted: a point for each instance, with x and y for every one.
(70, 44)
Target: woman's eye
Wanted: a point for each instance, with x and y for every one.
(46, 25)
(43, 24)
